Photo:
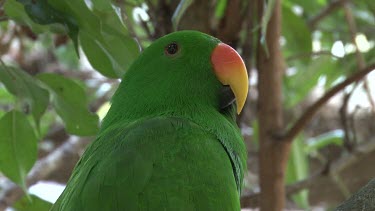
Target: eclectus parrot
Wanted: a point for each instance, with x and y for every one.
(170, 139)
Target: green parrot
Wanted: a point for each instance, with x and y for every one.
(170, 139)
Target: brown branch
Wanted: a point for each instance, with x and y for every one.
(331, 7)
(42, 169)
(273, 154)
(348, 140)
(310, 112)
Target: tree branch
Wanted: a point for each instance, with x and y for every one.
(332, 6)
(361, 63)
(273, 154)
(361, 200)
(310, 112)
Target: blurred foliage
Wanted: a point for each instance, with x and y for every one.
(31, 203)
(298, 168)
(37, 95)
(18, 143)
(69, 100)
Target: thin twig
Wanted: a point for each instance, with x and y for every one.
(340, 184)
(348, 141)
(147, 29)
(361, 63)
(310, 112)
(130, 27)
(331, 7)
(350, 137)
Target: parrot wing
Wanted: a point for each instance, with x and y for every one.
(156, 164)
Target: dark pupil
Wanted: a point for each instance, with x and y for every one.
(172, 48)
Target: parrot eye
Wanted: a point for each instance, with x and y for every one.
(171, 48)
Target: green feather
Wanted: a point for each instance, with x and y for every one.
(164, 144)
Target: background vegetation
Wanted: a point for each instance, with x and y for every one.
(61, 61)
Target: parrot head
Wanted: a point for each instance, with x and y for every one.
(184, 70)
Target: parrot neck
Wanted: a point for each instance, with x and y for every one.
(124, 113)
(221, 125)
(127, 110)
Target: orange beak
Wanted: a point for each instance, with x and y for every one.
(231, 70)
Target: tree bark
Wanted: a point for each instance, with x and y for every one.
(362, 200)
(273, 152)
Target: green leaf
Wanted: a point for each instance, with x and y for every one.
(298, 169)
(221, 5)
(104, 38)
(97, 55)
(26, 88)
(16, 11)
(180, 10)
(32, 203)
(370, 5)
(5, 96)
(110, 53)
(109, 16)
(309, 7)
(70, 103)
(334, 137)
(297, 34)
(43, 13)
(18, 144)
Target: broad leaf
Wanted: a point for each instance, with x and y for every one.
(16, 11)
(42, 12)
(110, 16)
(370, 5)
(18, 144)
(309, 7)
(5, 96)
(70, 103)
(296, 33)
(98, 57)
(22, 85)
(101, 37)
(104, 38)
(32, 203)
